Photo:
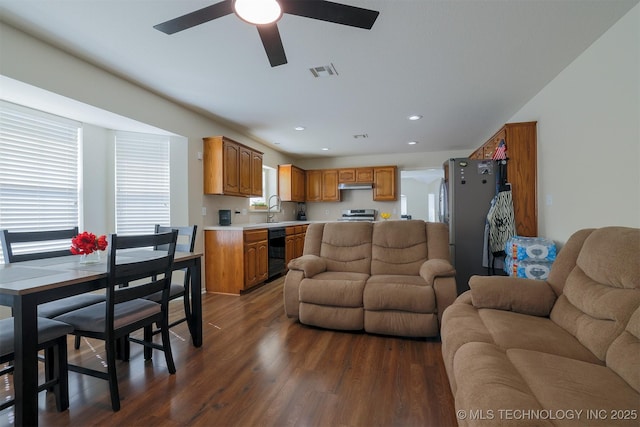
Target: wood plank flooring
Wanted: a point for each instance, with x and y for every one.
(259, 368)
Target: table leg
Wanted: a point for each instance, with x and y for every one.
(196, 303)
(25, 375)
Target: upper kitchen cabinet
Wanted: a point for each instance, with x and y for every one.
(355, 175)
(291, 187)
(231, 168)
(322, 185)
(384, 183)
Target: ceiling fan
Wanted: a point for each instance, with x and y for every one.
(267, 24)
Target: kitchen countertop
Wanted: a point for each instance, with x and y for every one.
(253, 226)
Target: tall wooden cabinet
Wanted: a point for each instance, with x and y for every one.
(521, 142)
(231, 168)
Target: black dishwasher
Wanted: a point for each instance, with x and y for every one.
(277, 238)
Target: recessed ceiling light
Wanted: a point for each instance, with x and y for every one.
(415, 117)
(299, 128)
(325, 149)
(412, 142)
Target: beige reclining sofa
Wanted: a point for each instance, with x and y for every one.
(565, 351)
(390, 277)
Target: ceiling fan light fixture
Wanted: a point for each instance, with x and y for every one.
(258, 12)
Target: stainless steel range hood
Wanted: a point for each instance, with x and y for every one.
(355, 186)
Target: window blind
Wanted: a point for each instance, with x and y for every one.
(142, 182)
(38, 172)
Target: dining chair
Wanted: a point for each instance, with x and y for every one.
(125, 310)
(20, 246)
(186, 243)
(52, 338)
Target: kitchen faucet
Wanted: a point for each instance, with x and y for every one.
(270, 215)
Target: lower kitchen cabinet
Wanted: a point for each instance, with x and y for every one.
(235, 260)
(294, 242)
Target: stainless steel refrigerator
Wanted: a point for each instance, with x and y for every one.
(465, 195)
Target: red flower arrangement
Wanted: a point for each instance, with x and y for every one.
(86, 243)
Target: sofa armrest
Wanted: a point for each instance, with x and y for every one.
(309, 264)
(526, 296)
(433, 268)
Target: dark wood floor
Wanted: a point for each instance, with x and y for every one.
(259, 368)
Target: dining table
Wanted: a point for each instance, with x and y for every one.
(24, 285)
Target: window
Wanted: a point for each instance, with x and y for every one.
(38, 172)
(269, 188)
(142, 182)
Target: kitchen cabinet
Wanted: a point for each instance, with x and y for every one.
(235, 260)
(291, 183)
(231, 168)
(355, 175)
(322, 185)
(294, 242)
(384, 183)
(521, 142)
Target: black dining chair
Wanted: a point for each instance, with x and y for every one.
(31, 243)
(125, 310)
(186, 243)
(52, 338)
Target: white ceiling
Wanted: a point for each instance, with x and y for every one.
(465, 66)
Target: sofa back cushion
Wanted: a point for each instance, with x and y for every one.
(399, 247)
(602, 290)
(346, 246)
(623, 356)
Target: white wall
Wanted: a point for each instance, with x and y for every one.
(589, 136)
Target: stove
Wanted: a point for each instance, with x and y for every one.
(358, 215)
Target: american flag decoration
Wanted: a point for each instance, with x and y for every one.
(501, 151)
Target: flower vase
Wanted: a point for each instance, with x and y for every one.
(92, 258)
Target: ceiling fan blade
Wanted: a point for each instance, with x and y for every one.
(198, 17)
(272, 44)
(331, 12)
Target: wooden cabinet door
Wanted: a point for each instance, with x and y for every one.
(256, 174)
(231, 172)
(250, 264)
(364, 175)
(299, 244)
(289, 249)
(262, 262)
(297, 184)
(245, 170)
(346, 176)
(330, 192)
(384, 183)
(313, 185)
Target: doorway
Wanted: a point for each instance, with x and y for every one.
(419, 193)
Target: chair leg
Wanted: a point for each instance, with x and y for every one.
(148, 337)
(113, 376)
(76, 344)
(166, 347)
(50, 365)
(187, 310)
(61, 388)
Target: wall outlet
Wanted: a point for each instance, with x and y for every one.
(199, 155)
(204, 211)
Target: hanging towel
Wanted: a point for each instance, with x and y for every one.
(501, 222)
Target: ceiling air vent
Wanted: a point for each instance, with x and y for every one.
(324, 71)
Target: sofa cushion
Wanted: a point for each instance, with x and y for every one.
(623, 356)
(602, 290)
(398, 292)
(565, 384)
(398, 247)
(515, 330)
(333, 288)
(346, 247)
